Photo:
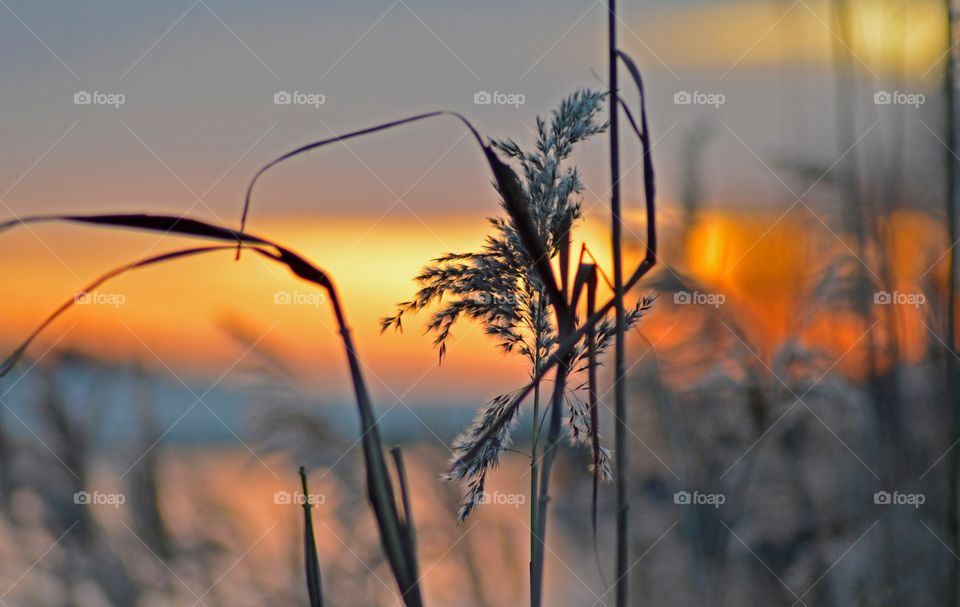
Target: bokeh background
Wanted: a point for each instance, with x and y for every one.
(794, 362)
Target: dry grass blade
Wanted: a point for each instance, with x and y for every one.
(11, 361)
(622, 583)
(311, 562)
(633, 122)
(379, 486)
(649, 180)
(518, 207)
(181, 226)
(340, 139)
(507, 182)
(409, 529)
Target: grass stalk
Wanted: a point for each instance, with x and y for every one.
(621, 428)
(592, 365)
(311, 561)
(554, 435)
(953, 284)
(534, 483)
(409, 529)
(379, 485)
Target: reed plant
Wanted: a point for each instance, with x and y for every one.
(498, 288)
(540, 318)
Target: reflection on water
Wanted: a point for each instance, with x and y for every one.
(229, 532)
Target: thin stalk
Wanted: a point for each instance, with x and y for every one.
(379, 485)
(541, 312)
(311, 562)
(953, 372)
(592, 366)
(409, 529)
(565, 327)
(549, 455)
(534, 480)
(621, 438)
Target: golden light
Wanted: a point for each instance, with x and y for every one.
(758, 34)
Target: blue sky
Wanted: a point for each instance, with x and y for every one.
(199, 78)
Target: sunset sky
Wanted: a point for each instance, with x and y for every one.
(198, 82)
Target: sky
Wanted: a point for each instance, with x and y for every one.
(198, 83)
(199, 79)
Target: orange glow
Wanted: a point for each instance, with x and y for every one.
(708, 250)
(762, 34)
(171, 315)
(766, 269)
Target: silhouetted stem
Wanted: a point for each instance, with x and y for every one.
(409, 528)
(549, 455)
(621, 434)
(953, 284)
(379, 485)
(534, 483)
(592, 365)
(311, 562)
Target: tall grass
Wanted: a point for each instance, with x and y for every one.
(621, 438)
(500, 288)
(534, 251)
(394, 533)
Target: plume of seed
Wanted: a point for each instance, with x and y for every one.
(496, 287)
(475, 474)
